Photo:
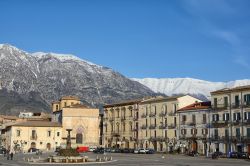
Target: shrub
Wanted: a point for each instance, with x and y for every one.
(68, 152)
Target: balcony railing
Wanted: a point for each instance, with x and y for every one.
(246, 105)
(135, 118)
(111, 119)
(144, 127)
(246, 139)
(135, 129)
(191, 123)
(183, 122)
(115, 134)
(34, 137)
(162, 126)
(220, 107)
(143, 116)
(152, 114)
(162, 114)
(152, 126)
(171, 113)
(183, 137)
(171, 126)
(123, 118)
(246, 121)
(236, 122)
(235, 105)
(219, 124)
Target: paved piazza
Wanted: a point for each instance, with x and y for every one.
(139, 159)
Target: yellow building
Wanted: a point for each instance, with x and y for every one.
(83, 121)
(121, 126)
(230, 119)
(21, 136)
(159, 121)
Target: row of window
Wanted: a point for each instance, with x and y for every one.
(236, 116)
(226, 132)
(246, 99)
(34, 133)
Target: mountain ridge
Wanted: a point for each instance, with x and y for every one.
(48, 76)
(170, 86)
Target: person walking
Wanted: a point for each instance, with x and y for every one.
(11, 154)
(8, 154)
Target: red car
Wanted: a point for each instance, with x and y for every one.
(82, 149)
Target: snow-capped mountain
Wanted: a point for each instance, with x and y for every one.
(170, 86)
(31, 81)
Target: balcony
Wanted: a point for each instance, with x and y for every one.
(135, 118)
(144, 127)
(115, 134)
(144, 116)
(162, 114)
(236, 122)
(183, 137)
(246, 139)
(183, 122)
(246, 121)
(135, 129)
(152, 139)
(220, 107)
(123, 118)
(191, 123)
(152, 114)
(236, 139)
(34, 137)
(171, 113)
(171, 126)
(235, 105)
(219, 124)
(152, 127)
(192, 137)
(111, 119)
(133, 139)
(246, 105)
(214, 138)
(162, 126)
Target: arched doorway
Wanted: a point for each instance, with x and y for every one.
(194, 146)
(79, 138)
(33, 145)
(48, 146)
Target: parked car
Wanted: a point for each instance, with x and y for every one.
(243, 155)
(99, 150)
(3, 151)
(136, 151)
(108, 150)
(150, 151)
(142, 151)
(233, 155)
(193, 153)
(125, 150)
(91, 149)
(31, 150)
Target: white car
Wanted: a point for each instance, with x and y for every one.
(136, 151)
(91, 149)
(142, 151)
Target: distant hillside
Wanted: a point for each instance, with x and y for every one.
(32, 81)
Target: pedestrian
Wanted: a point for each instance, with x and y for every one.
(8, 154)
(11, 154)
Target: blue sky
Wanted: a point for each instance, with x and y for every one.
(205, 39)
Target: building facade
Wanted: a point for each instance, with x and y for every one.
(21, 136)
(121, 124)
(194, 127)
(159, 121)
(230, 119)
(82, 120)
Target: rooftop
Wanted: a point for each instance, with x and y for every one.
(38, 124)
(229, 90)
(128, 102)
(196, 106)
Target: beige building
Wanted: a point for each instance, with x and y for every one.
(193, 127)
(121, 125)
(82, 120)
(21, 136)
(159, 121)
(230, 119)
